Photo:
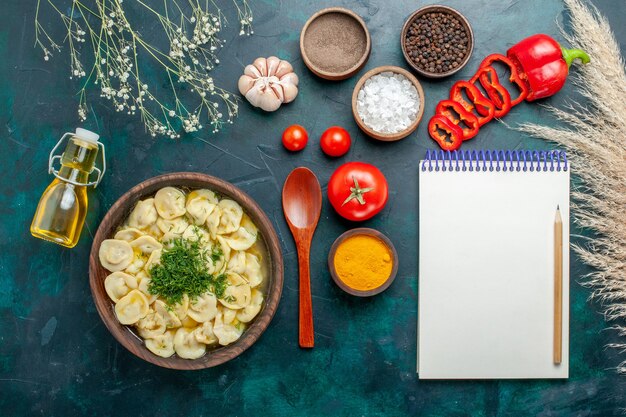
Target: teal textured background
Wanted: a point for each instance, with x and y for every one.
(56, 356)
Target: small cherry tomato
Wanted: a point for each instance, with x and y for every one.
(357, 191)
(335, 141)
(295, 138)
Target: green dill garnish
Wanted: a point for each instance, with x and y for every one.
(183, 270)
(216, 254)
(219, 285)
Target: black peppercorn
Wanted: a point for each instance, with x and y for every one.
(437, 42)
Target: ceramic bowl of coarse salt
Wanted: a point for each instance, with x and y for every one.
(388, 103)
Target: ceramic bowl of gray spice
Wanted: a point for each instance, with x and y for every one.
(437, 41)
(335, 43)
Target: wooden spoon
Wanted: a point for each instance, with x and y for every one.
(302, 205)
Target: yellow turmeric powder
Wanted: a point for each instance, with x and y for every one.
(363, 262)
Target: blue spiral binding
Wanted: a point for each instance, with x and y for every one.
(495, 160)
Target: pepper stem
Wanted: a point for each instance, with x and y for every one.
(569, 55)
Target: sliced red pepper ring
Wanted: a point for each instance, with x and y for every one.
(451, 137)
(478, 102)
(457, 114)
(514, 78)
(498, 95)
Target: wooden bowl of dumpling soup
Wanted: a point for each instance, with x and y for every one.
(102, 265)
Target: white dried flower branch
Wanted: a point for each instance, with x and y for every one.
(119, 50)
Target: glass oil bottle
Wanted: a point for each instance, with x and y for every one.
(61, 212)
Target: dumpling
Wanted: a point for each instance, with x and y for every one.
(136, 265)
(168, 314)
(144, 287)
(154, 231)
(143, 215)
(228, 315)
(190, 323)
(213, 221)
(186, 345)
(115, 255)
(146, 244)
(224, 249)
(226, 333)
(151, 326)
(169, 239)
(132, 307)
(230, 218)
(205, 194)
(203, 308)
(204, 334)
(244, 237)
(237, 293)
(128, 234)
(162, 345)
(182, 307)
(175, 226)
(118, 284)
(253, 273)
(170, 203)
(241, 239)
(193, 233)
(154, 259)
(200, 204)
(247, 222)
(250, 311)
(237, 262)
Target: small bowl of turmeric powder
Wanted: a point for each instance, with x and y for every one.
(363, 262)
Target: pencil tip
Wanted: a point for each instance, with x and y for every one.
(557, 206)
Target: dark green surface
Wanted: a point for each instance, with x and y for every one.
(58, 359)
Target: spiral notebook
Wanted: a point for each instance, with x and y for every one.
(486, 295)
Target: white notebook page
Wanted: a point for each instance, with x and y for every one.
(486, 274)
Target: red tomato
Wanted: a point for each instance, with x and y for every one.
(335, 141)
(295, 138)
(357, 191)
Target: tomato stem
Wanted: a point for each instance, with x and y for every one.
(357, 193)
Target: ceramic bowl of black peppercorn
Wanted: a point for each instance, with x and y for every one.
(437, 41)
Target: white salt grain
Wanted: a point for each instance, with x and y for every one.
(388, 103)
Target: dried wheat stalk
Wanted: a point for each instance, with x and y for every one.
(595, 137)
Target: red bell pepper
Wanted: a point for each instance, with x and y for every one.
(498, 95)
(453, 136)
(457, 114)
(543, 64)
(482, 105)
(514, 78)
(538, 68)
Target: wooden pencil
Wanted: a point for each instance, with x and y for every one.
(558, 287)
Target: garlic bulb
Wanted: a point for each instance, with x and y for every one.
(268, 83)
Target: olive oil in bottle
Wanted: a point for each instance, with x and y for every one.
(62, 209)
